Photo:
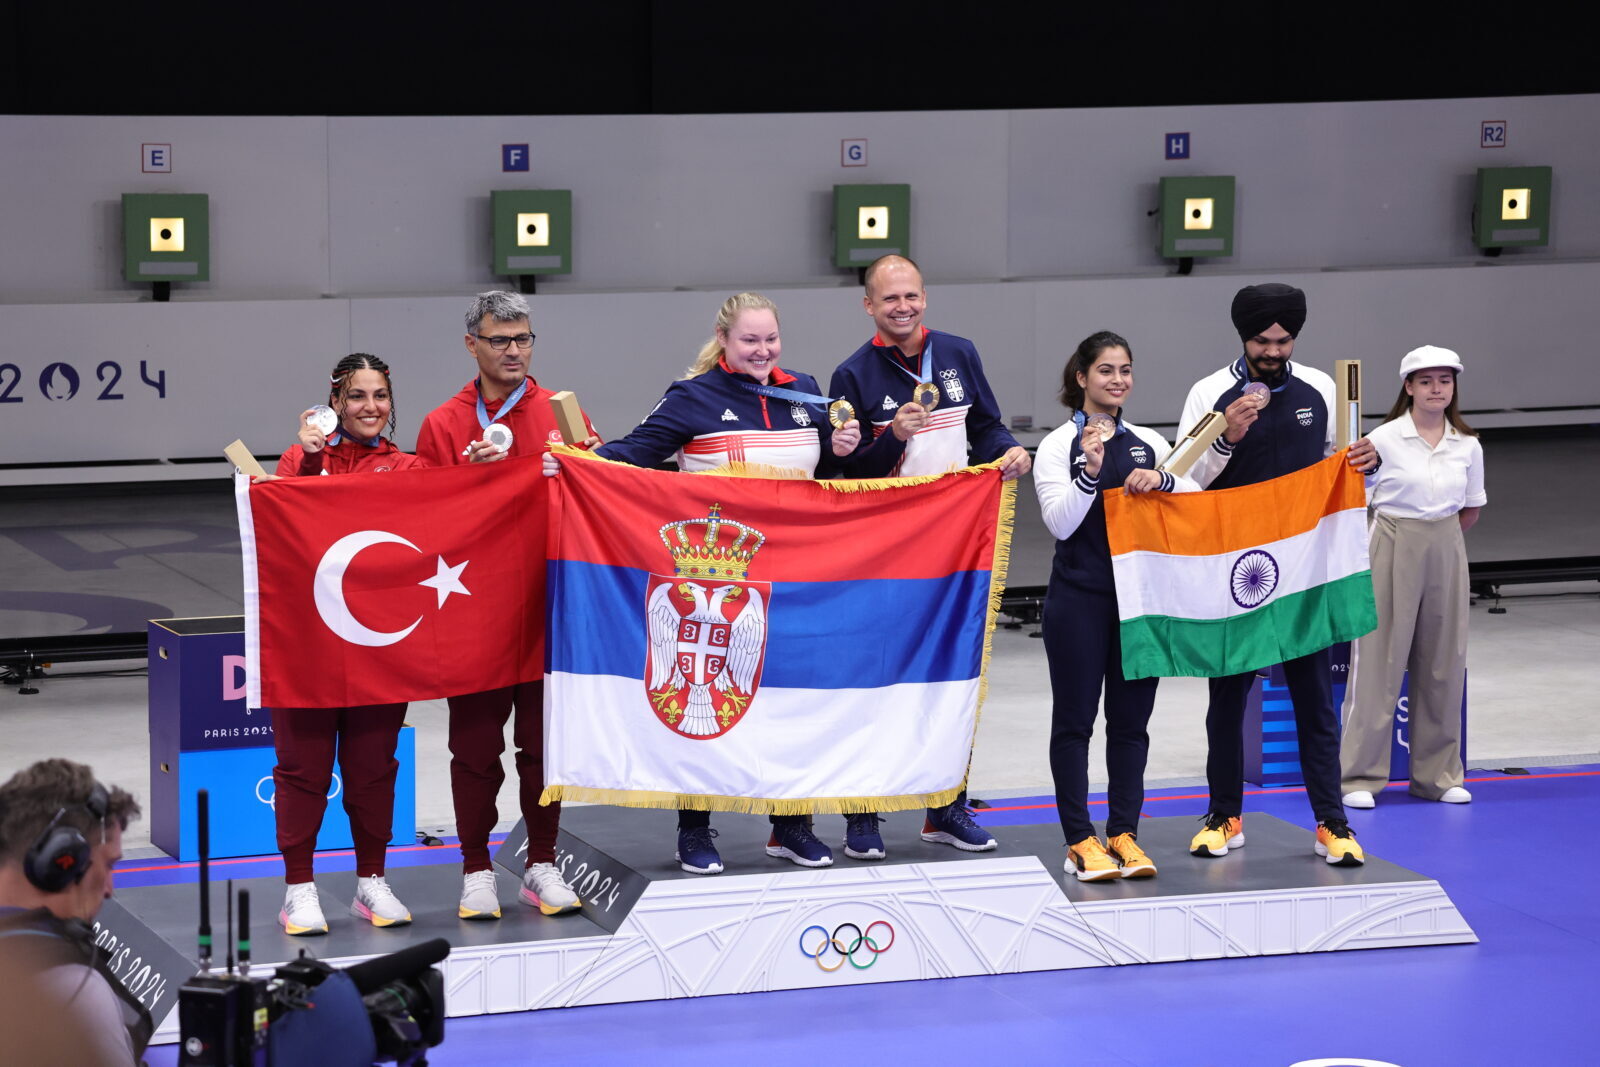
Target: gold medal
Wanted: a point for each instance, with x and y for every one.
(840, 412)
(926, 394)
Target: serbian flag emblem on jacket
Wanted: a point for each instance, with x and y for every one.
(730, 642)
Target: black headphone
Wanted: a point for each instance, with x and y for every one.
(59, 858)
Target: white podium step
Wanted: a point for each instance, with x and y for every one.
(649, 931)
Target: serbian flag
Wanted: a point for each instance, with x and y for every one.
(1228, 581)
(399, 586)
(735, 643)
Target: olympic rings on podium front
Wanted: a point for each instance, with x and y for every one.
(831, 942)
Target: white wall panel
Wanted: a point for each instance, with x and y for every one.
(658, 201)
(1319, 185)
(61, 185)
(247, 369)
(231, 370)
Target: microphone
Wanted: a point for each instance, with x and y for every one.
(374, 974)
(244, 933)
(203, 813)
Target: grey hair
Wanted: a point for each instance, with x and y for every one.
(497, 304)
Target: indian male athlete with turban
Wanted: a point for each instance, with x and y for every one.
(1292, 430)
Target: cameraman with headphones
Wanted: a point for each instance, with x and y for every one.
(60, 837)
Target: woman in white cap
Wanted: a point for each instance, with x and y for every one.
(1423, 497)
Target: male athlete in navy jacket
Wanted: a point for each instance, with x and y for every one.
(1293, 431)
(962, 427)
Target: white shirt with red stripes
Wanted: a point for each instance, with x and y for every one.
(796, 449)
(939, 446)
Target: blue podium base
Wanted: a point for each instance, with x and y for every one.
(242, 813)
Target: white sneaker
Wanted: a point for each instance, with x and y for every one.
(302, 911)
(1456, 795)
(480, 899)
(1359, 799)
(545, 889)
(376, 903)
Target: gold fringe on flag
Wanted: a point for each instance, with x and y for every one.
(645, 798)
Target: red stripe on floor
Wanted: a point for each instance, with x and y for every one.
(270, 859)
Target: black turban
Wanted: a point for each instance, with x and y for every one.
(1255, 307)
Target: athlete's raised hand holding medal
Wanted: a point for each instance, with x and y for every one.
(841, 412)
(317, 424)
(1102, 424)
(1093, 444)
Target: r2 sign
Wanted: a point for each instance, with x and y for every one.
(1493, 134)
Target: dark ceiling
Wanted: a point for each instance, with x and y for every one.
(637, 57)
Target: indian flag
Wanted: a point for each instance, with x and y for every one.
(1222, 582)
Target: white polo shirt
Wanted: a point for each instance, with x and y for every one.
(1421, 481)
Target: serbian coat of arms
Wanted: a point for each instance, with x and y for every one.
(707, 627)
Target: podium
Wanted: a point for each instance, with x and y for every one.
(1272, 748)
(202, 736)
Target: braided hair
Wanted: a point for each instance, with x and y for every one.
(339, 381)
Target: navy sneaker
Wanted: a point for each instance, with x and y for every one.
(795, 841)
(696, 854)
(861, 838)
(953, 825)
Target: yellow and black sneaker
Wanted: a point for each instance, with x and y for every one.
(1130, 858)
(1088, 860)
(1336, 843)
(1219, 834)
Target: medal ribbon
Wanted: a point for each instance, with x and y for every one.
(511, 401)
(786, 394)
(1242, 368)
(340, 435)
(927, 363)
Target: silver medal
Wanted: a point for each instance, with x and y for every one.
(323, 419)
(498, 435)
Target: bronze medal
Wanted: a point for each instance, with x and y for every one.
(1100, 424)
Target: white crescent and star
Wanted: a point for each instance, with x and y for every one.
(328, 587)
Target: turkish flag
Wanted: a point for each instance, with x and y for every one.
(395, 586)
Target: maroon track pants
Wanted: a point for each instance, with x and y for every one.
(306, 739)
(477, 738)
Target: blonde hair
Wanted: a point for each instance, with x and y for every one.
(727, 315)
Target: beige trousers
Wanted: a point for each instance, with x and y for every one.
(1419, 580)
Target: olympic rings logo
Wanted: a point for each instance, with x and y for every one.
(336, 784)
(863, 940)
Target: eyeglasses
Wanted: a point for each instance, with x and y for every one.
(500, 344)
